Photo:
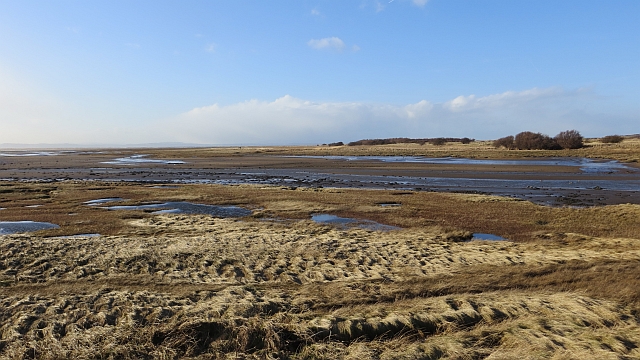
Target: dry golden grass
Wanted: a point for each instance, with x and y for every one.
(276, 285)
(515, 220)
(626, 151)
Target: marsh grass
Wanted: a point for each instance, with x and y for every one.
(62, 204)
(277, 285)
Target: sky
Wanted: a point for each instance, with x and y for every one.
(288, 72)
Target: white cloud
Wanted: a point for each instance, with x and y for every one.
(355, 48)
(210, 48)
(289, 120)
(327, 43)
(508, 98)
(31, 116)
(315, 12)
(420, 3)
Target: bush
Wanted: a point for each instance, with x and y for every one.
(439, 141)
(528, 140)
(612, 139)
(466, 140)
(506, 141)
(570, 139)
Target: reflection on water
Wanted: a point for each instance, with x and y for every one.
(586, 165)
(14, 227)
(45, 153)
(482, 236)
(102, 201)
(141, 159)
(183, 207)
(350, 222)
(77, 236)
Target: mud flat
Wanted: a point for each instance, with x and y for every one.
(555, 181)
(119, 279)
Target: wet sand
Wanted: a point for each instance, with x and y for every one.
(537, 181)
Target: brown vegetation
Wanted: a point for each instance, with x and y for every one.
(612, 139)
(570, 139)
(505, 142)
(626, 151)
(276, 285)
(528, 140)
(434, 141)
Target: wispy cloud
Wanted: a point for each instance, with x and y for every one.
(328, 43)
(132, 45)
(210, 48)
(315, 12)
(380, 6)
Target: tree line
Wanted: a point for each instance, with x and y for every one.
(527, 140)
(434, 141)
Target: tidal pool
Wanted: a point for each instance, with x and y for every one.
(183, 207)
(14, 227)
(492, 237)
(77, 236)
(390, 204)
(102, 201)
(350, 222)
(140, 159)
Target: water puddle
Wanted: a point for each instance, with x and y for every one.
(183, 207)
(33, 206)
(14, 227)
(389, 204)
(102, 201)
(490, 237)
(165, 187)
(345, 223)
(141, 159)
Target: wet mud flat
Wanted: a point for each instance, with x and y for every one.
(548, 181)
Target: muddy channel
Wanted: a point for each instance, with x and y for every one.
(548, 181)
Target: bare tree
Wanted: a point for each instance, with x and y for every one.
(570, 139)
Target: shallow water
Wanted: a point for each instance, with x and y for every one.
(77, 236)
(141, 159)
(586, 165)
(350, 222)
(14, 227)
(492, 237)
(45, 153)
(31, 153)
(183, 207)
(102, 201)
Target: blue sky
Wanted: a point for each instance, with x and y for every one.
(305, 72)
